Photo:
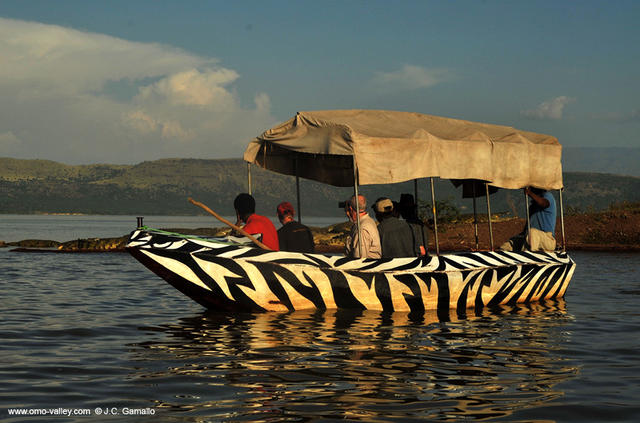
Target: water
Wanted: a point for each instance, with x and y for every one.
(70, 227)
(98, 332)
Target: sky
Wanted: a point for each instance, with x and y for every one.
(122, 82)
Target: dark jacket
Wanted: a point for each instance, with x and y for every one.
(420, 237)
(296, 237)
(396, 238)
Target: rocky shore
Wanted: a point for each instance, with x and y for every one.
(617, 229)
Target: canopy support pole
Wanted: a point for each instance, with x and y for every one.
(564, 246)
(415, 193)
(249, 177)
(357, 197)
(486, 186)
(298, 192)
(475, 216)
(526, 209)
(435, 218)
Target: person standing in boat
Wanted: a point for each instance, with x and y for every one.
(255, 224)
(396, 237)
(542, 214)
(371, 247)
(293, 236)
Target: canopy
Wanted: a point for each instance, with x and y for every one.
(388, 147)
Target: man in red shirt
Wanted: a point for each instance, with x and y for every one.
(255, 224)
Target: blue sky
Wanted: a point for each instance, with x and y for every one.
(127, 81)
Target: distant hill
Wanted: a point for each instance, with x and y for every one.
(618, 160)
(161, 187)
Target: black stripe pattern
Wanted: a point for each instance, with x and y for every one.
(227, 276)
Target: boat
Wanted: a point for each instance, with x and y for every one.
(361, 147)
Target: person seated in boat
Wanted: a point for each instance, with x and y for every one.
(370, 237)
(542, 215)
(396, 237)
(409, 212)
(245, 206)
(293, 235)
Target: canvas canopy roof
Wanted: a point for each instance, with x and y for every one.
(389, 147)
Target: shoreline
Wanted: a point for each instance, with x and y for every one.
(614, 230)
(604, 234)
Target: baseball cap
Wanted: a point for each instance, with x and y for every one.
(383, 205)
(285, 208)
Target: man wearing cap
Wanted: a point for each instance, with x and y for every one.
(293, 235)
(396, 237)
(370, 237)
(255, 224)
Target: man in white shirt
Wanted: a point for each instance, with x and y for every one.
(371, 247)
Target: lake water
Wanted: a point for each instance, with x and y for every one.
(71, 227)
(98, 334)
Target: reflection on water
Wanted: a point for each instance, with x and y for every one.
(99, 331)
(366, 365)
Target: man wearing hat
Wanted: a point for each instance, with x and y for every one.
(396, 237)
(255, 224)
(368, 229)
(293, 235)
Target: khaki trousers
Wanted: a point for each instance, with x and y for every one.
(537, 241)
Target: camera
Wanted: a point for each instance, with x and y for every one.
(342, 204)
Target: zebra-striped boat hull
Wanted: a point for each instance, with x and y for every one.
(223, 276)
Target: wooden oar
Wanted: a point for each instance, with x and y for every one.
(226, 222)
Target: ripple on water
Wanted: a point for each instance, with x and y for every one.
(99, 330)
(358, 364)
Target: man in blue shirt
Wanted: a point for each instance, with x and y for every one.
(542, 210)
(542, 214)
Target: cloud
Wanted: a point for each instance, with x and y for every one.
(147, 125)
(57, 93)
(411, 77)
(550, 109)
(193, 87)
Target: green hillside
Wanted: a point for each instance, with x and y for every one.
(23, 170)
(161, 187)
